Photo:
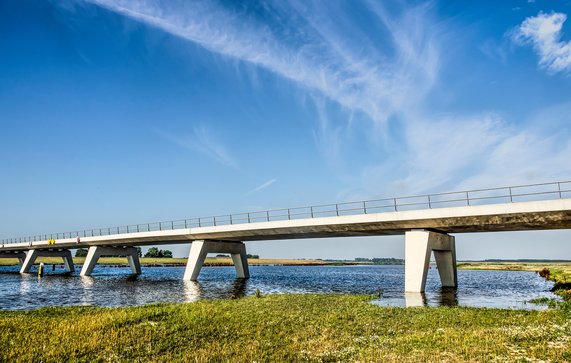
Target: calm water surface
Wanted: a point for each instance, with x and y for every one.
(111, 286)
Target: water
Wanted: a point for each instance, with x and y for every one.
(116, 287)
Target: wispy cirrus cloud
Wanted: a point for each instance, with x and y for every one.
(384, 73)
(202, 140)
(544, 32)
(262, 186)
(320, 57)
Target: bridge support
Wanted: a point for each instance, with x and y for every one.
(200, 249)
(419, 246)
(97, 251)
(32, 255)
(21, 256)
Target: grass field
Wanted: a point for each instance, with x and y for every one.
(284, 328)
(516, 266)
(313, 328)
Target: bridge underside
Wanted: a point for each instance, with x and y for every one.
(419, 246)
(426, 232)
(469, 224)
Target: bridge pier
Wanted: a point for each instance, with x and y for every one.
(200, 249)
(21, 256)
(419, 246)
(95, 252)
(32, 255)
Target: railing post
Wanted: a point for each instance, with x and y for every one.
(395, 201)
(172, 224)
(248, 217)
(337, 210)
(429, 204)
(365, 207)
(511, 197)
(230, 215)
(311, 210)
(199, 222)
(268, 215)
(467, 198)
(288, 214)
(214, 220)
(559, 189)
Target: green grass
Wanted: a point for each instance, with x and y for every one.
(284, 328)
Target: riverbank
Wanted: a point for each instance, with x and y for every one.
(284, 328)
(558, 272)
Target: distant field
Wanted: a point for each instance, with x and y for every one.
(516, 266)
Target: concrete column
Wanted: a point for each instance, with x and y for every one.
(414, 299)
(21, 256)
(200, 249)
(418, 248)
(32, 255)
(95, 252)
(29, 261)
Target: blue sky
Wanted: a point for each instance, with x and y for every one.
(115, 112)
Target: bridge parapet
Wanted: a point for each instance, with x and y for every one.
(474, 197)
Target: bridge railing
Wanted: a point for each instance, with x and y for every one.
(511, 194)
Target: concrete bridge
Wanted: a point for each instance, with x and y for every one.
(426, 221)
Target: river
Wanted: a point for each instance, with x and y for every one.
(114, 286)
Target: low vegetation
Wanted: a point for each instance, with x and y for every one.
(311, 328)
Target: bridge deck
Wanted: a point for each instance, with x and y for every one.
(535, 215)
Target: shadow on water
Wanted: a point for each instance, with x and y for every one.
(444, 297)
(194, 290)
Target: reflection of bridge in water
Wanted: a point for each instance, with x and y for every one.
(427, 221)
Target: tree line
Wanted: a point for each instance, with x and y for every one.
(153, 252)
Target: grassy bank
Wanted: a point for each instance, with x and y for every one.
(558, 272)
(284, 328)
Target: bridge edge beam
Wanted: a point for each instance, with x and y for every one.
(199, 249)
(419, 245)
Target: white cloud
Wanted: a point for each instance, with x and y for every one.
(544, 33)
(262, 186)
(203, 141)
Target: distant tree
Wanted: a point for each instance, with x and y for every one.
(81, 252)
(154, 252)
(139, 252)
(252, 256)
(221, 255)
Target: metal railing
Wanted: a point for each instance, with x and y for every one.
(511, 194)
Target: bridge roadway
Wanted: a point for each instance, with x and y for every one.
(426, 231)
